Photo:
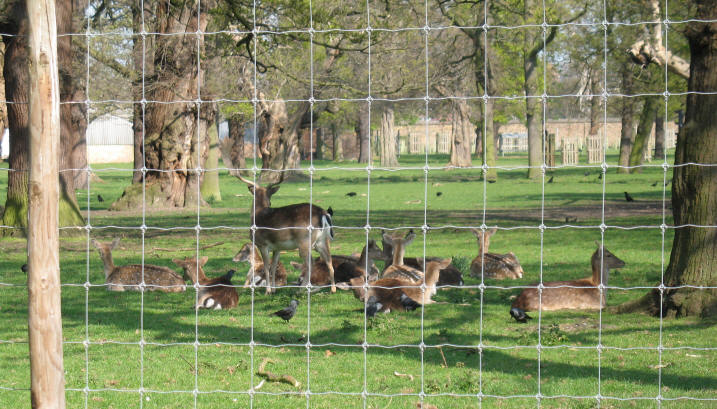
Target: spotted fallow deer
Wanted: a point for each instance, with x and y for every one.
(493, 265)
(300, 226)
(583, 294)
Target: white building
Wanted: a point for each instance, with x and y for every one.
(110, 140)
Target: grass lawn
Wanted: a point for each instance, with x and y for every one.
(218, 353)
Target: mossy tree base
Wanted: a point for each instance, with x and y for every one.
(154, 198)
(15, 214)
(683, 302)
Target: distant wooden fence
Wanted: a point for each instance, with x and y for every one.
(550, 150)
(596, 153)
(570, 151)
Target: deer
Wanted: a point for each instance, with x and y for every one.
(131, 277)
(582, 294)
(492, 265)
(449, 276)
(303, 226)
(403, 294)
(214, 293)
(345, 268)
(250, 254)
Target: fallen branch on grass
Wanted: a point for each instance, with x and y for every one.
(403, 375)
(271, 377)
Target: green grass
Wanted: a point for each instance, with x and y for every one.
(114, 322)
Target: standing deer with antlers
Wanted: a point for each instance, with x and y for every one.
(303, 226)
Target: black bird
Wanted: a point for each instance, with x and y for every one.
(571, 220)
(439, 193)
(586, 173)
(372, 306)
(600, 176)
(520, 315)
(654, 184)
(668, 182)
(351, 194)
(24, 268)
(628, 197)
(287, 313)
(408, 303)
(551, 179)
(100, 198)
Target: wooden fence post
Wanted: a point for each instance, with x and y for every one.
(47, 381)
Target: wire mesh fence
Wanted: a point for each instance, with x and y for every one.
(146, 349)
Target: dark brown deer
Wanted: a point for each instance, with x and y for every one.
(287, 228)
(492, 265)
(214, 293)
(582, 294)
(344, 268)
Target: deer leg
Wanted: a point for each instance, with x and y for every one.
(325, 253)
(305, 254)
(272, 270)
(267, 266)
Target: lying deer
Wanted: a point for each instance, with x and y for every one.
(491, 265)
(402, 294)
(580, 294)
(214, 293)
(287, 228)
(448, 276)
(130, 277)
(256, 267)
(344, 268)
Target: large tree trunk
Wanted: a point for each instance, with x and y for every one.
(3, 107)
(694, 198)
(694, 202)
(627, 132)
(461, 134)
(660, 134)
(210, 185)
(388, 138)
(73, 120)
(141, 47)
(173, 144)
(363, 133)
(16, 90)
(279, 140)
(489, 81)
(644, 130)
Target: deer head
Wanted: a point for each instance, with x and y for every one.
(398, 245)
(602, 261)
(262, 195)
(483, 238)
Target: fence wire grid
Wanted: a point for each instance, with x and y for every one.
(312, 389)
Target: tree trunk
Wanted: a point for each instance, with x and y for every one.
(694, 202)
(530, 87)
(627, 131)
(279, 140)
(172, 144)
(16, 90)
(210, 185)
(461, 134)
(644, 130)
(73, 119)
(595, 102)
(478, 151)
(337, 151)
(320, 143)
(388, 138)
(363, 130)
(660, 134)
(3, 107)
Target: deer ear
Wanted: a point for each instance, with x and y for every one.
(273, 189)
(598, 244)
(203, 260)
(95, 243)
(409, 237)
(250, 187)
(492, 231)
(177, 261)
(115, 242)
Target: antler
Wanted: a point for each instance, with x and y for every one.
(281, 179)
(247, 181)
